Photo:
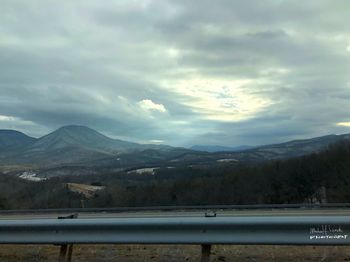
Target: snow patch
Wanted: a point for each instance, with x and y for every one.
(31, 176)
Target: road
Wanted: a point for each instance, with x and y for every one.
(180, 213)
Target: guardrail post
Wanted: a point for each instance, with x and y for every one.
(63, 253)
(70, 252)
(205, 257)
(66, 251)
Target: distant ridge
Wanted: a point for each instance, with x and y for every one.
(215, 148)
(84, 148)
(12, 138)
(79, 136)
(72, 144)
(69, 144)
(258, 154)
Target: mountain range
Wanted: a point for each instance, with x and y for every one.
(82, 148)
(66, 145)
(216, 148)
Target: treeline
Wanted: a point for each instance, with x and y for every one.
(320, 177)
(297, 180)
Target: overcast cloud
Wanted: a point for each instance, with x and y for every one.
(178, 72)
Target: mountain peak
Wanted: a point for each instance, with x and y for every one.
(78, 133)
(72, 136)
(74, 127)
(79, 138)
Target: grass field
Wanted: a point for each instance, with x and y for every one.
(156, 253)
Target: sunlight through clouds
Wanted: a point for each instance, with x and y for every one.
(8, 122)
(347, 124)
(221, 100)
(173, 52)
(225, 71)
(6, 118)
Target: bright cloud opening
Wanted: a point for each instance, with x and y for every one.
(156, 141)
(14, 121)
(221, 100)
(275, 71)
(343, 124)
(6, 118)
(173, 52)
(149, 105)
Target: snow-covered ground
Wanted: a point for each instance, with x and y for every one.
(224, 160)
(31, 176)
(147, 171)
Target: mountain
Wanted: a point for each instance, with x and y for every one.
(12, 139)
(299, 147)
(79, 137)
(265, 153)
(69, 144)
(215, 148)
(81, 145)
(79, 149)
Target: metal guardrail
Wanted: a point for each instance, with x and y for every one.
(202, 230)
(277, 230)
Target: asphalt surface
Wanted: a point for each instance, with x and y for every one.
(181, 213)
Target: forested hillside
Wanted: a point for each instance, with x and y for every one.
(320, 177)
(298, 180)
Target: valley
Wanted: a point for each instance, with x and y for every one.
(80, 150)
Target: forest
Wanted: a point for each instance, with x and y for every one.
(316, 178)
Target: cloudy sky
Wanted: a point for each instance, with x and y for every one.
(178, 72)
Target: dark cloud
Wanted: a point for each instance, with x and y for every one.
(186, 72)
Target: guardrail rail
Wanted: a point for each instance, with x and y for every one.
(207, 229)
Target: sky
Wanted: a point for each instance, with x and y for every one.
(182, 73)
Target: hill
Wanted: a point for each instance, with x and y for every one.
(321, 177)
(79, 145)
(314, 178)
(259, 154)
(215, 148)
(11, 139)
(79, 137)
(72, 144)
(75, 149)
